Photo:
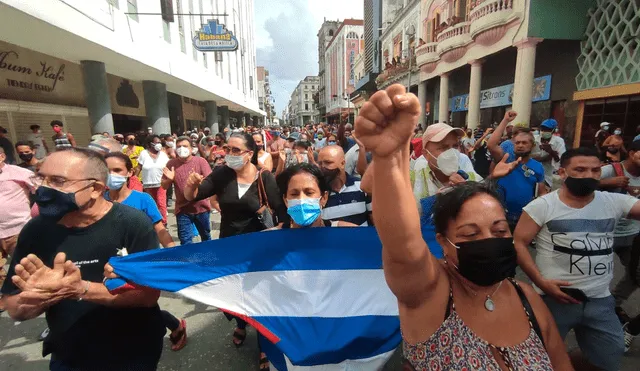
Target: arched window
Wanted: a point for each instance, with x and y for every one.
(330, 32)
(352, 35)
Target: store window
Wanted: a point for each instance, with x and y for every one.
(620, 112)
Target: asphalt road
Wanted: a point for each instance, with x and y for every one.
(209, 346)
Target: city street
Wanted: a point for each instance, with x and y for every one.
(209, 346)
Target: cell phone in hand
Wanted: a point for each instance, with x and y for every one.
(575, 293)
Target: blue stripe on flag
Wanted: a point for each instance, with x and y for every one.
(287, 249)
(319, 341)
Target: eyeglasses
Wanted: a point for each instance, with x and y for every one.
(234, 151)
(54, 181)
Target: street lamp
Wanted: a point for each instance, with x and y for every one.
(411, 32)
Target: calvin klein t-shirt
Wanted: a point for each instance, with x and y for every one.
(575, 245)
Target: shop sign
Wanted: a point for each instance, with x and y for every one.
(502, 95)
(214, 37)
(31, 76)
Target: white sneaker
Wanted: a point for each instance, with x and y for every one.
(628, 338)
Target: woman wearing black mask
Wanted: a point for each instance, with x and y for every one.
(465, 312)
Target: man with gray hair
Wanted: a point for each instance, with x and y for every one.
(105, 145)
(58, 269)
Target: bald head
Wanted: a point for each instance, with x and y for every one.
(76, 163)
(334, 152)
(105, 145)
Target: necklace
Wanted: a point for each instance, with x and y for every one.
(488, 303)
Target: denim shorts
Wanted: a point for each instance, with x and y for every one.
(598, 329)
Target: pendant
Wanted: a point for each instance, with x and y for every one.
(489, 305)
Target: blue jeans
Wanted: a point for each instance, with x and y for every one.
(598, 329)
(186, 223)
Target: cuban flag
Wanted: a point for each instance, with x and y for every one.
(317, 294)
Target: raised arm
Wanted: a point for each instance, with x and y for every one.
(493, 144)
(385, 126)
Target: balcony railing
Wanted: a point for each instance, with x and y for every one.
(458, 29)
(488, 7)
(426, 49)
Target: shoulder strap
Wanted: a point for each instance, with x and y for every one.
(617, 166)
(262, 193)
(528, 309)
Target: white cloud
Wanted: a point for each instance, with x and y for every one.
(286, 39)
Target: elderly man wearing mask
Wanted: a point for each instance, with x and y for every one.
(551, 148)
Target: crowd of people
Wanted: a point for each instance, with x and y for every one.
(457, 211)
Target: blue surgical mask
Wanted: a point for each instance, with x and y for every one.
(116, 181)
(304, 211)
(53, 203)
(332, 143)
(234, 162)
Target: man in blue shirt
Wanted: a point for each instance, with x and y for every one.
(519, 187)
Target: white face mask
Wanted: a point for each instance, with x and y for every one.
(183, 152)
(157, 147)
(171, 144)
(617, 132)
(447, 162)
(234, 162)
(194, 151)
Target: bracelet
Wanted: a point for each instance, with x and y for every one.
(86, 289)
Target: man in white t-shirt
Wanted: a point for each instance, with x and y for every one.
(574, 230)
(624, 177)
(549, 150)
(38, 141)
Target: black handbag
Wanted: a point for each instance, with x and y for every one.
(264, 213)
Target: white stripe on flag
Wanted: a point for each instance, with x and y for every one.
(315, 293)
(366, 364)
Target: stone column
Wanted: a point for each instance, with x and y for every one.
(211, 113)
(443, 106)
(224, 117)
(157, 106)
(422, 97)
(473, 118)
(523, 82)
(96, 95)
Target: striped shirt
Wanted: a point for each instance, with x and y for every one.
(351, 204)
(62, 142)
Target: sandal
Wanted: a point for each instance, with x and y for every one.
(179, 337)
(264, 362)
(238, 337)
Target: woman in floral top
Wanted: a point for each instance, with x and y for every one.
(464, 312)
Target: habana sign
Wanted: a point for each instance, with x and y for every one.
(214, 37)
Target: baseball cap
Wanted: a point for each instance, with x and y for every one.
(604, 124)
(549, 124)
(437, 132)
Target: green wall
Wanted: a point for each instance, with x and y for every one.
(560, 20)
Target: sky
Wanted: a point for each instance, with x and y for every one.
(287, 42)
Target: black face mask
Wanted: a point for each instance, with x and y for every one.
(131, 142)
(581, 187)
(487, 262)
(26, 157)
(218, 142)
(331, 174)
(613, 150)
(55, 204)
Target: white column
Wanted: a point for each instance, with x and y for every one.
(422, 97)
(473, 119)
(523, 84)
(443, 110)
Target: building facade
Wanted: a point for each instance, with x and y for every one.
(478, 59)
(342, 50)
(302, 107)
(98, 69)
(608, 82)
(266, 101)
(325, 34)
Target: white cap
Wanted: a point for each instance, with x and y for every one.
(602, 125)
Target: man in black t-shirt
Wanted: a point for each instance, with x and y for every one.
(58, 269)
